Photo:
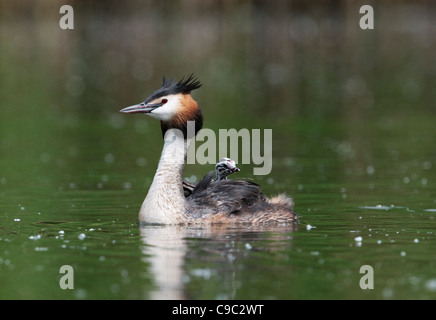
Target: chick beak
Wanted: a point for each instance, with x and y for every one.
(236, 169)
(141, 108)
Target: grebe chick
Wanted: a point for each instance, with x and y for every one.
(223, 168)
(212, 201)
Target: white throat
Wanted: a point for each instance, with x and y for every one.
(165, 202)
(168, 110)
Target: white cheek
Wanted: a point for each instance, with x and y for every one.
(167, 111)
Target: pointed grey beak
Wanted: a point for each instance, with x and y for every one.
(141, 108)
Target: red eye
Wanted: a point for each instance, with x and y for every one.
(164, 101)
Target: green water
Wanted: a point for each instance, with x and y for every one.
(353, 121)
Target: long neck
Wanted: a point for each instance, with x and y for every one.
(165, 202)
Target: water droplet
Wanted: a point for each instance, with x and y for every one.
(431, 285)
(141, 162)
(109, 158)
(44, 157)
(426, 165)
(80, 293)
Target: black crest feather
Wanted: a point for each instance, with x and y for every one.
(169, 86)
(185, 85)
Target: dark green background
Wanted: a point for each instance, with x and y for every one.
(353, 119)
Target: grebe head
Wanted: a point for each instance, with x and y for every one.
(225, 167)
(172, 104)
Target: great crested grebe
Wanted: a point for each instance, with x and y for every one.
(223, 168)
(212, 200)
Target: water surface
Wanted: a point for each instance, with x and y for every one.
(352, 115)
